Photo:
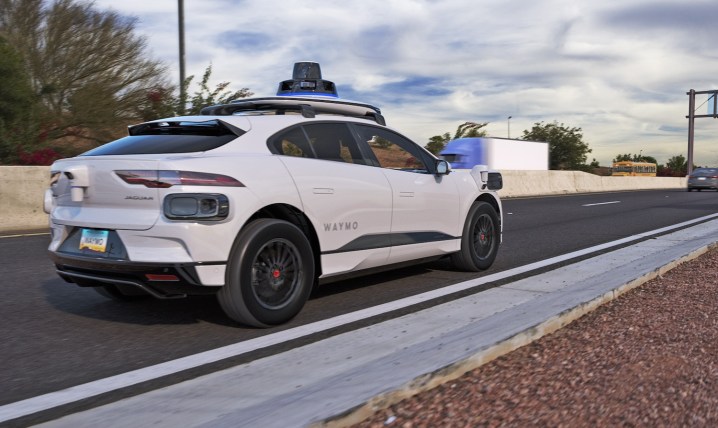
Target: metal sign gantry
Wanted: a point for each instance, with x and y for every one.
(691, 118)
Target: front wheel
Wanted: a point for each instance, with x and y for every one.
(479, 240)
(270, 274)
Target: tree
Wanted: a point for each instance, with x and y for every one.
(206, 97)
(567, 150)
(465, 130)
(15, 91)
(470, 130)
(635, 158)
(649, 159)
(87, 68)
(16, 103)
(437, 143)
(163, 103)
(676, 166)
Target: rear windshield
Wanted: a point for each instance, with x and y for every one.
(170, 137)
(705, 172)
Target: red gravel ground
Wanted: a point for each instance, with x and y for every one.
(646, 359)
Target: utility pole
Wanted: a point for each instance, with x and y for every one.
(182, 94)
(508, 124)
(692, 115)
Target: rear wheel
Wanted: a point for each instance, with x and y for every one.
(270, 274)
(479, 240)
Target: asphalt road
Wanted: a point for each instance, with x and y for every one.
(55, 335)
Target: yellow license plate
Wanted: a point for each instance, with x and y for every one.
(95, 240)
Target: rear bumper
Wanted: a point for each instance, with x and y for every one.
(163, 281)
(702, 184)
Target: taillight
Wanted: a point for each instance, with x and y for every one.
(54, 177)
(164, 179)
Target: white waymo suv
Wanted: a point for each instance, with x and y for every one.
(259, 200)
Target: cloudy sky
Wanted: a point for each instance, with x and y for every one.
(618, 69)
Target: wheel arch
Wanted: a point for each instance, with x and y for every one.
(294, 215)
(493, 201)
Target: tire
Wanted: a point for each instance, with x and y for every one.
(269, 275)
(479, 240)
(121, 293)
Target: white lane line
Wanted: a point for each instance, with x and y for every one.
(80, 392)
(601, 203)
(24, 234)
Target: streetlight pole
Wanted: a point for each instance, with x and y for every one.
(508, 124)
(183, 95)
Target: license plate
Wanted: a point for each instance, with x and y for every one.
(95, 240)
(701, 178)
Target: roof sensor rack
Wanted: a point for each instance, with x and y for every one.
(306, 94)
(307, 80)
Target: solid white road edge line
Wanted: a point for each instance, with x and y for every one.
(90, 389)
(24, 234)
(601, 203)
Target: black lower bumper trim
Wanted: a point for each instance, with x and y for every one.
(94, 272)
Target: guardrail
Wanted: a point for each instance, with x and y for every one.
(22, 189)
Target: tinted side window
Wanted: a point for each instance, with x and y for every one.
(393, 151)
(327, 141)
(291, 143)
(333, 141)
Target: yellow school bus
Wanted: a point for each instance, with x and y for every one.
(630, 168)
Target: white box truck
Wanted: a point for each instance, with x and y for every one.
(496, 153)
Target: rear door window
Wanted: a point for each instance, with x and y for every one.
(328, 141)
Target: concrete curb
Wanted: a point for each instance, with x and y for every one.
(454, 371)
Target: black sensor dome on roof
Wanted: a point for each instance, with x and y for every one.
(307, 80)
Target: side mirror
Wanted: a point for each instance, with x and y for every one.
(442, 167)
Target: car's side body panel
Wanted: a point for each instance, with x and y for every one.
(349, 207)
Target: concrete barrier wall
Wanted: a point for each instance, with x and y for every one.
(22, 189)
(21, 195)
(533, 183)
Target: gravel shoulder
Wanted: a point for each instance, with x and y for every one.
(648, 358)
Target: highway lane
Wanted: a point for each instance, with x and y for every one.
(55, 335)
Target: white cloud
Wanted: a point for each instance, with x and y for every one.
(618, 70)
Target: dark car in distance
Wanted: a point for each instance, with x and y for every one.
(703, 178)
